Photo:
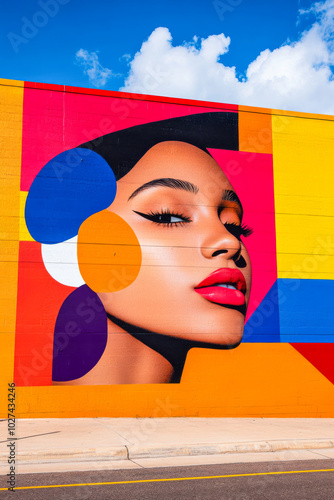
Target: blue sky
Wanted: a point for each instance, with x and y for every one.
(256, 52)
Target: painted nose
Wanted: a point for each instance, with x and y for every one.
(219, 241)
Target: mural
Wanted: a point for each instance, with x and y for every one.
(161, 250)
(166, 245)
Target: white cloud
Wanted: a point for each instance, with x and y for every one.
(97, 74)
(296, 76)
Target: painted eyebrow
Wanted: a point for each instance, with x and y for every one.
(166, 182)
(230, 195)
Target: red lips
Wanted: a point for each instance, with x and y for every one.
(231, 292)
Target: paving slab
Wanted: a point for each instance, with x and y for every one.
(142, 442)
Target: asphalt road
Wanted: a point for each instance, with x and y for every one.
(304, 480)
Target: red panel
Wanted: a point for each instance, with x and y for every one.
(43, 86)
(321, 356)
(39, 299)
(251, 175)
(48, 129)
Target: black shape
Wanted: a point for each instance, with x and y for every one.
(123, 149)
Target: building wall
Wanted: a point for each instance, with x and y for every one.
(282, 173)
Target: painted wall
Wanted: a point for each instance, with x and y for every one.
(108, 304)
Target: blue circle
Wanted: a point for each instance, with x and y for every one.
(70, 188)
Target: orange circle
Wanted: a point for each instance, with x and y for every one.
(109, 253)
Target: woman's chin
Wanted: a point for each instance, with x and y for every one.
(213, 338)
(223, 328)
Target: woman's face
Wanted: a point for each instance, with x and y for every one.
(195, 277)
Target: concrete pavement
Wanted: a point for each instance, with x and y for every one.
(55, 445)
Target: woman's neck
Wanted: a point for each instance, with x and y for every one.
(172, 349)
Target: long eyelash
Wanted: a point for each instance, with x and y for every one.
(238, 230)
(173, 214)
(153, 217)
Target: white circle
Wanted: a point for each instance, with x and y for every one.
(61, 262)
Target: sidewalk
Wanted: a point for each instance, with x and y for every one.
(55, 445)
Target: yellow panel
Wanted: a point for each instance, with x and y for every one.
(312, 116)
(11, 97)
(24, 233)
(260, 380)
(303, 150)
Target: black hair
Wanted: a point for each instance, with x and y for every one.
(124, 148)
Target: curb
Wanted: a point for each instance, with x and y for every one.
(73, 454)
(220, 449)
(133, 452)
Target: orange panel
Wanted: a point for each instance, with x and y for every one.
(255, 130)
(11, 109)
(260, 380)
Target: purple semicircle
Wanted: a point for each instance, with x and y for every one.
(80, 335)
